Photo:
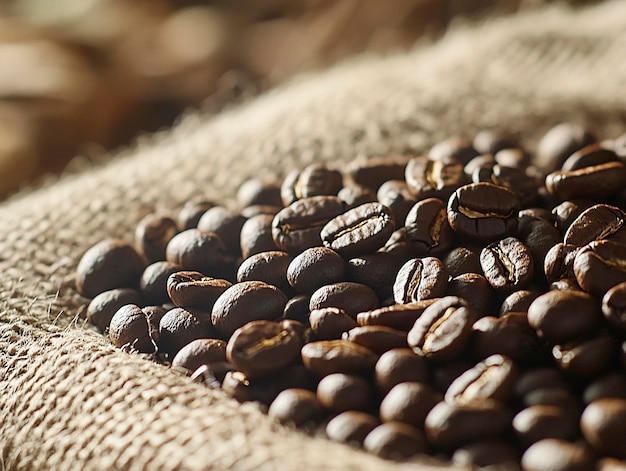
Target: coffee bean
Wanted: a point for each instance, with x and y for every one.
(373, 173)
(297, 308)
(192, 289)
(360, 230)
(598, 222)
(376, 270)
(490, 141)
(539, 422)
(419, 279)
(586, 358)
(314, 180)
(552, 396)
(245, 302)
(488, 453)
(200, 352)
(427, 178)
(462, 260)
(610, 385)
(443, 330)
(152, 234)
(330, 323)
(474, 288)
(603, 424)
(297, 227)
(351, 297)
(396, 316)
(191, 213)
(340, 392)
(351, 427)
(539, 378)
(153, 281)
(598, 182)
(614, 306)
(198, 251)
(483, 211)
(600, 265)
(508, 265)
(257, 191)
(296, 406)
(521, 181)
(455, 148)
(515, 157)
(539, 236)
(261, 348)
(566, 212)
(610, 464)
(566, 284)
(109, 264)
(269, 267)
(395, 195)
(377, 338)
(130, 330)
(559, 262)
(518, 301)
(395, 441)
(552, 454)
(314, 268)
(256, 235)
(409, 403)
(589, 156)
(559, 143)
(325, 357)
(356, 195)
(179, 326)
(427, 227)
(226, 224)
(102, 307)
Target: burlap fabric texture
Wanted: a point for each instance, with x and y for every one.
(69, 401)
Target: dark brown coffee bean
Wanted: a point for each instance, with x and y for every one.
(539, 236)
(179, 326)
(377, 338)
(198, 251)
(191, 213)
(450, 426)
(245, 302)
(490, 141)
(559, 143)
(192, 289)
(152, 234)
(518, 301)
(419, 279)
(101, 309)
(514, 157)
(559, 262)
(330, 323)
(398, 366)
(356, 195)
(488, 453)
(337, 356)
(200, 352)
(226, 224)
(603, 424)
(508, 265)
(552, 396)
(462, 260)
(376, 270)
(269, 267)
(296, 406)
(443, 330)
(314, 180)
(560, 316)
(588, 156)
(109, 264)
(262, 348)
(536, 423)
(297, 308)
(610, 385)
(454, 148)
(339, 392)
(600, 265)
(395, 441)
(372, 173)
(395, 195)
(586, 359)
(598, 182)
(297, 227)
(427, 227)
(130, 330)
(256, 191)
(519, 180)
(396, 316)
(360, 230)
(483, 211)
(256, 235)
(153, 282)
(566, 212)
(351, 297)
(351, 427)
(243, 389)
(614, 306)
(474, 288)
(409, 403)
(537, 213)
(427, 178)
(598, 222)
(552, 454)
(539, 378)
(492, 378)
(314, 268)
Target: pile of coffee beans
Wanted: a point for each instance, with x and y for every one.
(468, 304)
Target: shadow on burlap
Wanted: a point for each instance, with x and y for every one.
(69, 401)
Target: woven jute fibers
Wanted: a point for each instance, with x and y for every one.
(69, 401)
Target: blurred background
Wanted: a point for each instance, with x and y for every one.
(81, 76)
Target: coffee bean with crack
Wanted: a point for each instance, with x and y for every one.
(429, 178)
(598, 182)
(427, 227)
(508, 265)
(419, 279)
(599, 222)
(600, 265)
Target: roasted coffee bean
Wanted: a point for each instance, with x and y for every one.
(398, 366)
(330, 323)
(130, 330)
(101, 308)
(314, 268)
(598, 222)
(395, 441)
(257, 191)
(376, 270)
(561, 316)
(360, 230)
(428, 178)
(559, 143)
(351, 427)
(109, 264)
(152, 234)
(340, 392)
(536, 423)
(356, 195)
(299, 407)
(193, 289)
(191, 212)
(198, 251)
(395, 195)
(462, 260)
(297, 227)
(314, 180)
(610, 385)
(600, 265)
(603, 424)
(537, 213)
(552, 454)
(261, 348)
(474, 288)
(539, 378)
(153, 281)
(519, 180)
(450, 426)
(409, 403)
(372, 173)
(269, 267)
(518, 301)
(245, 302)
(614, 306)
(256, 235)
(200, 352)
(351, 297)
(552, 396)
(427, 227)
(489, 453)
(419, 279)
(515, 157)
(396, 316)
(325, 357)
(483, 211)
(598, 182)
(589, 156)
(377, 338)
(565, 284)
(539, 236)
(179, 326)
(479, 165)
(297, 308)
(610, 464)
(559, 262)
(443, 330)
(455, 148)
(243, 389)
(508, 265)
(566, 212)
(226, 224)
(586, 359)
(490, 141)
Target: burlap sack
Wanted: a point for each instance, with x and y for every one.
(68, 400)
